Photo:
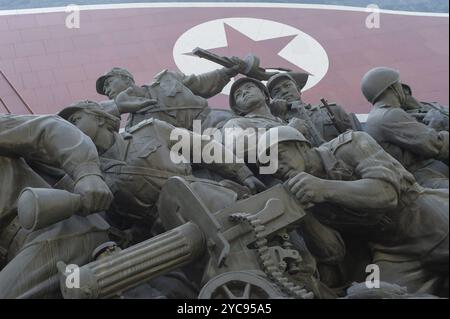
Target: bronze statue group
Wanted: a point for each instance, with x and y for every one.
(345, 197)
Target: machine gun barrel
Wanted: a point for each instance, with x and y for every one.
(135, 265)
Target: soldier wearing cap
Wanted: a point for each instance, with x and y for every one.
(172, 97)
(420, 149)
(354, 186)
(285, 90)
(137, 164)
(27, 142)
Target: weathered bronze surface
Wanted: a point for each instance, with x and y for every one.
(138, 216)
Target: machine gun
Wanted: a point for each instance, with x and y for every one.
(246, 245)
(252, 68)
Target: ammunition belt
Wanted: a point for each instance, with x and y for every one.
(267, 263)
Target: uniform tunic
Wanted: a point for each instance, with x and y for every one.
(181, 98)
(321, 118)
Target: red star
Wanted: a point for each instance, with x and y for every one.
(267, 50)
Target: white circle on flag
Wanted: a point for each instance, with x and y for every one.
(303, 50)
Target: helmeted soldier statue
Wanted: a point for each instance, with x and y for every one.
(172, 97)
(249, 100)
(419, 148)
(328, 121)
(356, 187)
(31, 256)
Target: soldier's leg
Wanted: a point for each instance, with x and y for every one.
(32, 272)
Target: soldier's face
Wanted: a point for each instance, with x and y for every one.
(286, 90)
(115, 85)
(87, 123)
(290, 161)
(248, 95)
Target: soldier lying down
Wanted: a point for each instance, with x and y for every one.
(31, 256)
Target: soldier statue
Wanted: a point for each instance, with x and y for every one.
(28, 258)
(420, 149)
(172, 97)
(354, 186)
(327, 121)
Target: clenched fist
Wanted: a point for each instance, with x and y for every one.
(95, 194)
(279, 107)
(307, 188)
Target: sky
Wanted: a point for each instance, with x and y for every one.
(440, 6)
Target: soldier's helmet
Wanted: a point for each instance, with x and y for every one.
(278, 135)
(378, 80)
(299, 78)
(93, 108)
(238, 83)
(113, 72)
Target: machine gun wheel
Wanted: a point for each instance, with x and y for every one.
(239, 285)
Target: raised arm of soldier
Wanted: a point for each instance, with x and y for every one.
(212, 83)
(235, 170)
(54, 141)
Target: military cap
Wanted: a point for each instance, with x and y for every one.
(299, 78)
(113, 72)
(91, 107)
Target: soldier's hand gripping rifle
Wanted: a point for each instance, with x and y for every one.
(234, 241)
(337, 124)
(313, 134)
(251, 69)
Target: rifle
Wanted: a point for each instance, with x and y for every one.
(437, 108)
(252, 68)
(337, 124)
(315, 137)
